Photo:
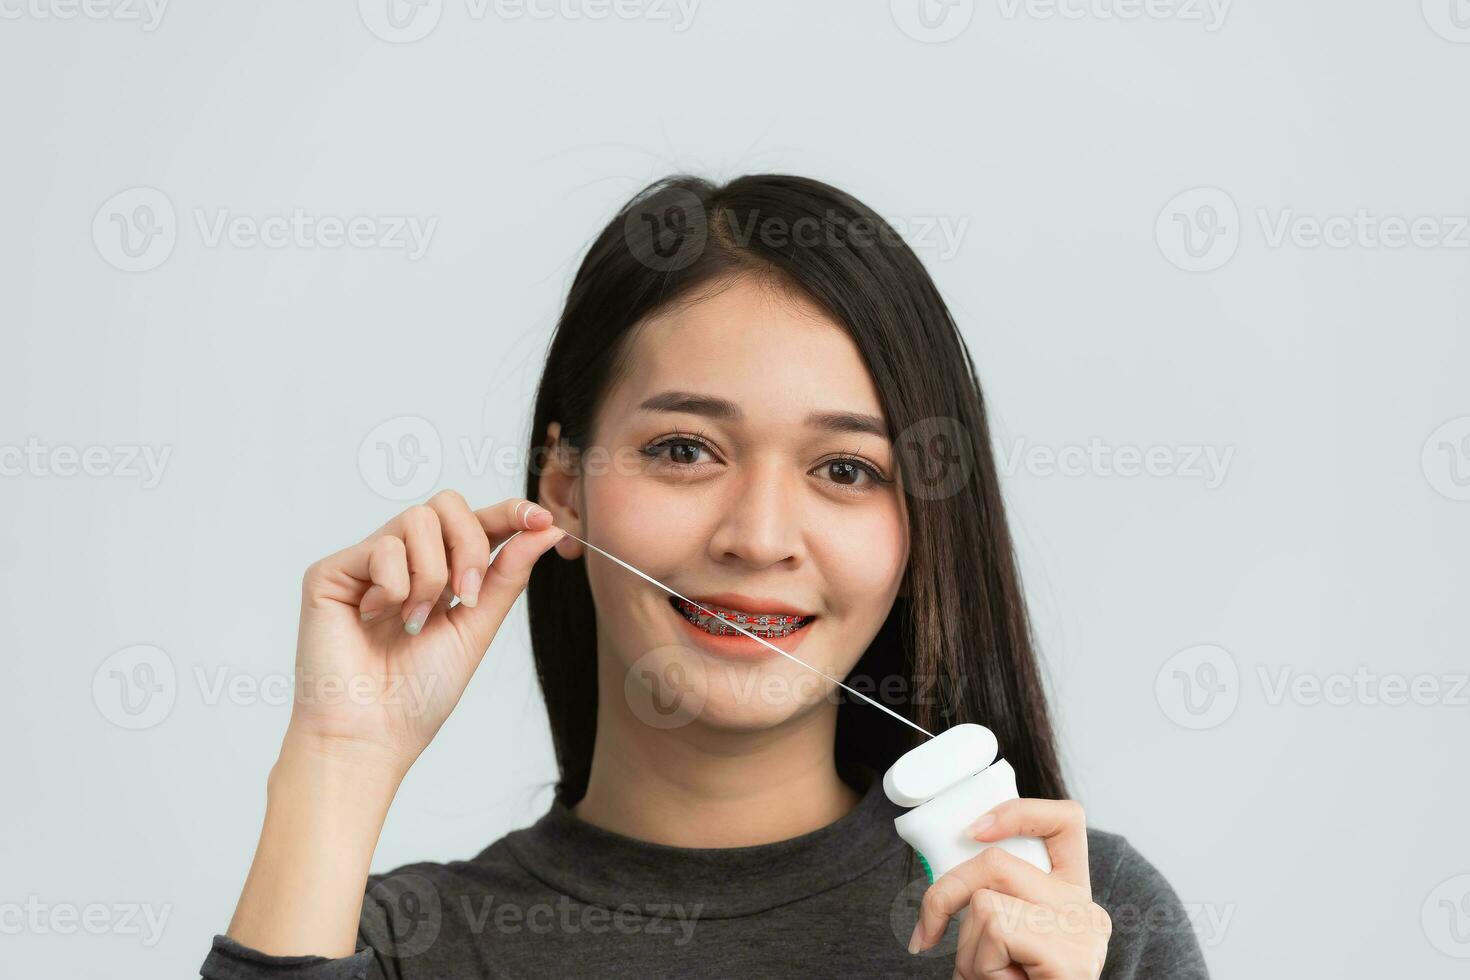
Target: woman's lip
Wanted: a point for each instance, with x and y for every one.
(753, 605)
(738, 644)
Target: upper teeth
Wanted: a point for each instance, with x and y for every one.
(755, 622)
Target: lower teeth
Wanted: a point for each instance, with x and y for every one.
(724, 629)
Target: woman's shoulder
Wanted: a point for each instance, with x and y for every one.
(1153, 932)
(1115, 862)
(494, 867)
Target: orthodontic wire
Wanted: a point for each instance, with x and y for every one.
(650, 578)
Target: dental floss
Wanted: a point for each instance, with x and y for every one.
(945, 783)
(941, 783)
(746, 632)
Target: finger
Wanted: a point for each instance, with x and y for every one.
(964, 953)
(976, 957)
(994, 869)
(1001, 937)
(386, 568)
(428, 569)
(505, 579)
(468, 547)
(510, 517)
(1061, 824)
(343, 577)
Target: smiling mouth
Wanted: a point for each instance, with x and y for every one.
(767, 626)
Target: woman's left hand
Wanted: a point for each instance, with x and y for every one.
(1022, 924)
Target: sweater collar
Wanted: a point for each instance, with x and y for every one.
(600, 867)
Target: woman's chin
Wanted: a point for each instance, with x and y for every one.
(675, 685)
(733, 711)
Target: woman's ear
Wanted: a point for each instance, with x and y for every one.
(557, 489)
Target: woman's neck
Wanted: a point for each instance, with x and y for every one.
(694, 787)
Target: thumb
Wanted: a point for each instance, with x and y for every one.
(505, 580)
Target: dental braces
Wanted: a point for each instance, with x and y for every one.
(742, 618)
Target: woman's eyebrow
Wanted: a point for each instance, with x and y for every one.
(709, 406)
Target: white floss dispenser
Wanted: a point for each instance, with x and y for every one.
(949, 781)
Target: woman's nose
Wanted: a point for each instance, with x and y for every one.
(760, 524)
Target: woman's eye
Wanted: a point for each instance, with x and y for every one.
(852, 472)
(849, 473)
(684, 452)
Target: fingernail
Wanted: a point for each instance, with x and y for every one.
(536, 512)
(981, 825)
(417, 617)
(368, 617)
(469, 588)
(917, 939)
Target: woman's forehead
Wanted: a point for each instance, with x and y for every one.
(771, 354)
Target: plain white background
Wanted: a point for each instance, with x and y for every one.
(1174, 230)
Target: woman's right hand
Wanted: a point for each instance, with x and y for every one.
(381, 659)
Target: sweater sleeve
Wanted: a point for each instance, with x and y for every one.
(1152, 936)
(230, 960)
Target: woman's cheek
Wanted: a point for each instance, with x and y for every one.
(864, 559)
(644, 521)
(655, 528)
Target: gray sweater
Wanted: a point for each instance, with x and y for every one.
(565, 899)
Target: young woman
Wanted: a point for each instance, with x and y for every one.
(756, 396)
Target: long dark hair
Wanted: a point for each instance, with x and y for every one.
(958, 640)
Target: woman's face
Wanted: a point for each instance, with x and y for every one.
(742, 460)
